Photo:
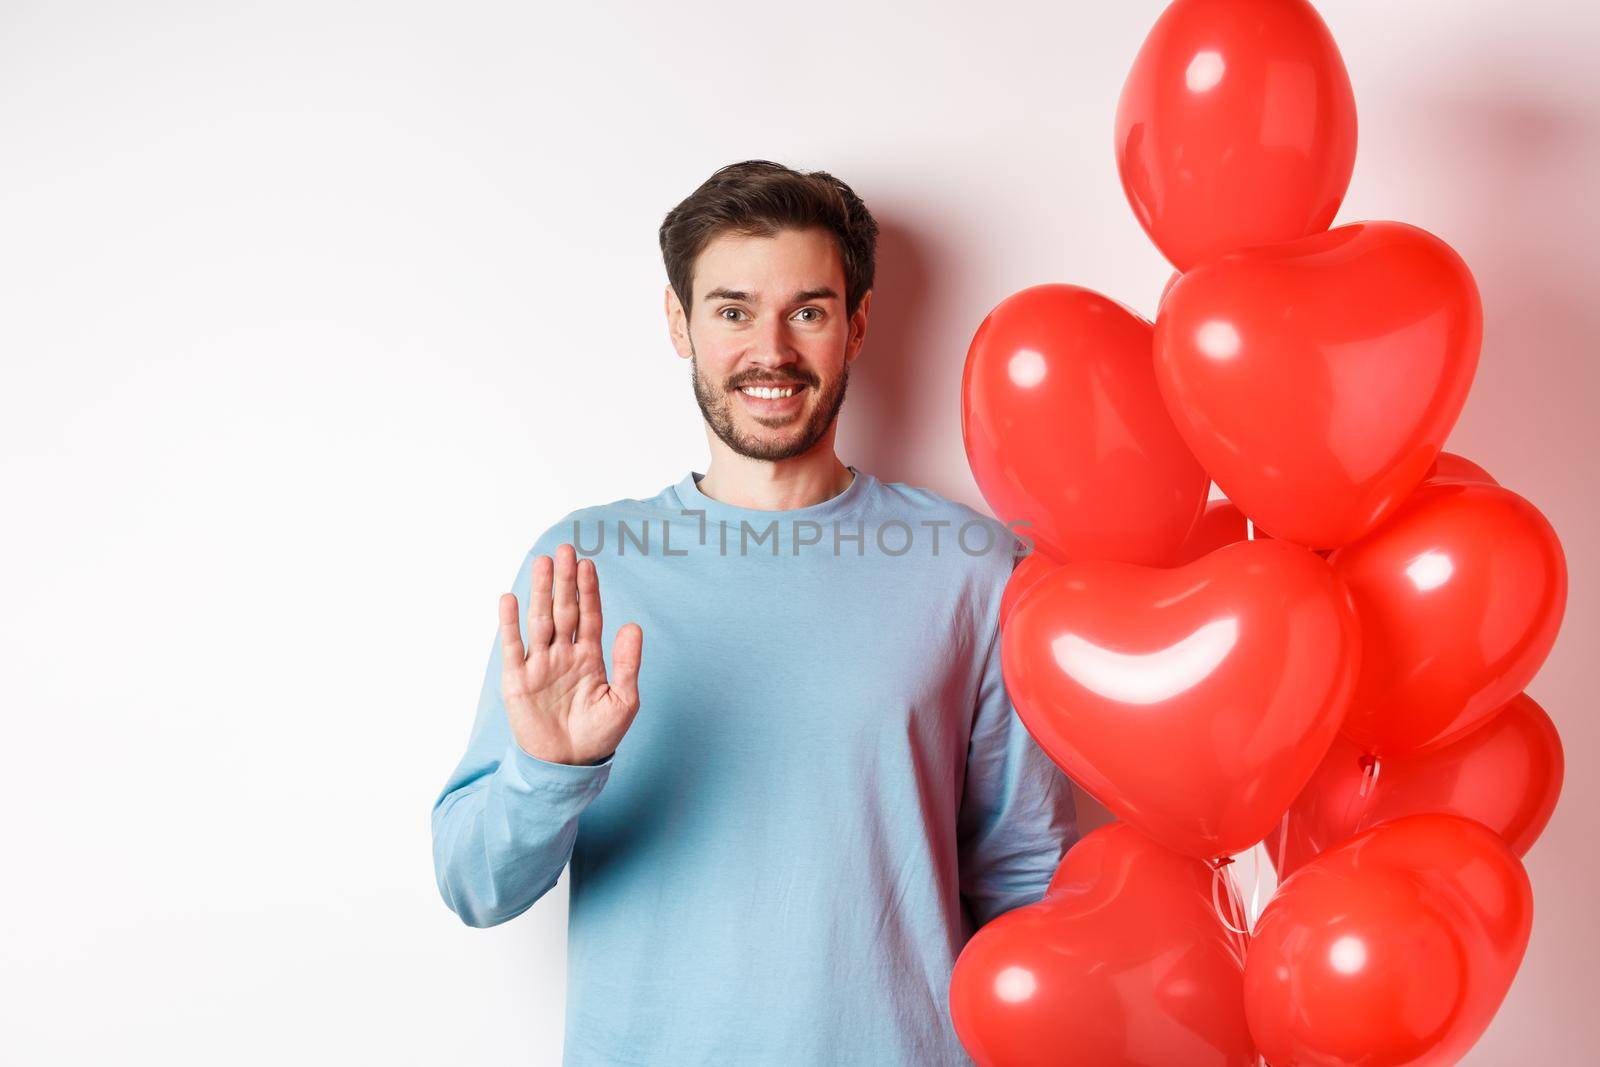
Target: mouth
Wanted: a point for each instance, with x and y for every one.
(770, 400)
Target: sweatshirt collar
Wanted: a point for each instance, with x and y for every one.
(691, 498)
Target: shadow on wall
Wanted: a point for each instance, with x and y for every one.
(903, 420)
(905, 388)
(1519, 173)
(1516, 167)
(880, 417)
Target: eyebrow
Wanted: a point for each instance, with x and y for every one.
(820, 293)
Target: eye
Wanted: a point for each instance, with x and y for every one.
(723, 314)
(816, 311)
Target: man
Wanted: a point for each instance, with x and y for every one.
(786, 819)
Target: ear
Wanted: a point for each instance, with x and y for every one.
(677, 323)
(858, 328)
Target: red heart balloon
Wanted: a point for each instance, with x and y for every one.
(1064, 429)
(1393, 948)
(1316, 380)
(1122, 964)
(1506, 774)
(1460, 594)
(1193, 702)
(1033, 567)
(1236, 127)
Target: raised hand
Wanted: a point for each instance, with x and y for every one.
(560, 705)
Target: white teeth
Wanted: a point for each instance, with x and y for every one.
(767, 394)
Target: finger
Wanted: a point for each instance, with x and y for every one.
(511, 653)
(566, 593)
(540, 626)
(626, 652)
(589, 620)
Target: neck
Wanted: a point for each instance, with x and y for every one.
(775, 485)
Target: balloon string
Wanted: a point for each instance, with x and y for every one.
(1236, 906)
(1263, 857)
(1219, 875)
(1370, 768)
(1283, 845)
(1236, 903)
(1218, 872)
(1256, 860)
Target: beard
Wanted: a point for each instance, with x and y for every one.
(716, 405)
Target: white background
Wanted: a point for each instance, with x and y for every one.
(313, 315)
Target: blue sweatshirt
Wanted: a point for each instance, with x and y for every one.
(825, 790)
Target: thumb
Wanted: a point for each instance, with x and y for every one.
(626, 652)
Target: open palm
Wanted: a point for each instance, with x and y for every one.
(561, 707)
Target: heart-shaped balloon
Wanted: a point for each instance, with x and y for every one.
(1065, 430)
(1193, 702)
(1122, 964)
(1460, 594)
(1024, 577)
(1317, 379)
(1236, 127)
(1393, 948)
(1506, 774)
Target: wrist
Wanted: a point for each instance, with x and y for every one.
(548, 751)
(562, 755)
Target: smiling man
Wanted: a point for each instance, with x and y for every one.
(787, 816)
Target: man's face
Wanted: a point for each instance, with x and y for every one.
(769, 311)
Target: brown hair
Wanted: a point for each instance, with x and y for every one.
(759, 198)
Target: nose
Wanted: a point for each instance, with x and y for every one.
(772, 340)
(773, 349)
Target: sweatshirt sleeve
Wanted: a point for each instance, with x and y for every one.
(1018, 816)
(505, 823)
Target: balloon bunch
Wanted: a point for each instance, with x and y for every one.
(1329, 663)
